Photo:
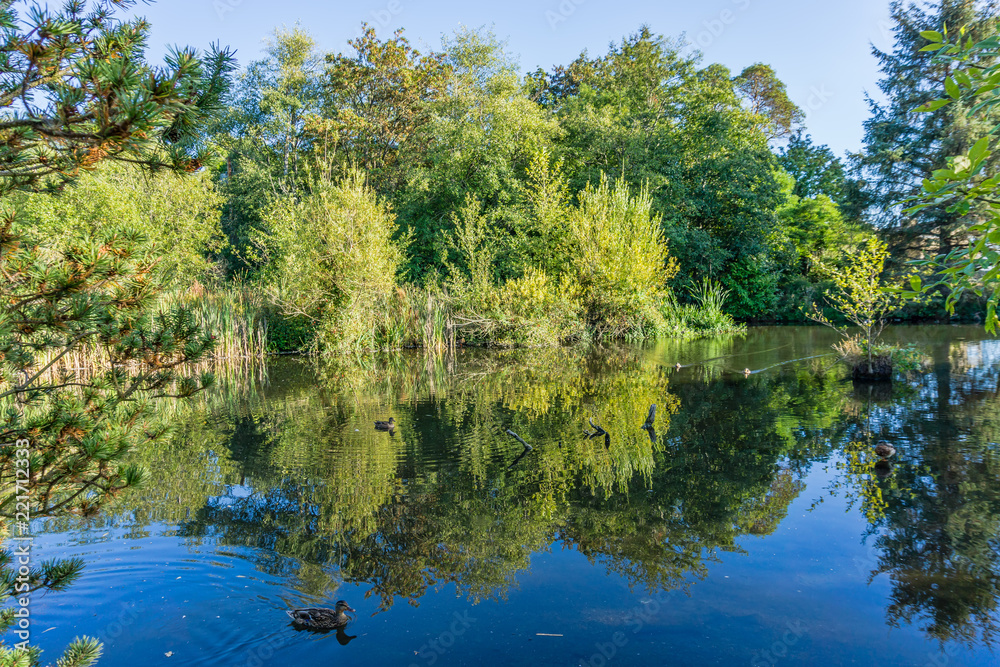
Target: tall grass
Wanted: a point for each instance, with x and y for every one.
(235, 315)
(415, 317)
(705, 316)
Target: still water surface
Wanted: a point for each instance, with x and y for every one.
(752, 528)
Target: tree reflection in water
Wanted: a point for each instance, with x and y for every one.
(937, 528)
(294, 471)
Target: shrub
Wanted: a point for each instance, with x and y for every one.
(863, 301)
(621, 260)
(179, 213)
(337, 263)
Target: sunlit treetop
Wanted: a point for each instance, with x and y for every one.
(75, 89)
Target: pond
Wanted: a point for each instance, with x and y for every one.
(753, 525)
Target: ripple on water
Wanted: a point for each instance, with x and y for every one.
(158, 596)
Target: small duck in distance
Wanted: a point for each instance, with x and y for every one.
(884, 449)
(747, 372)
(386, 426)
(317, 618)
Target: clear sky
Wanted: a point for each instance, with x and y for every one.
(820, 49)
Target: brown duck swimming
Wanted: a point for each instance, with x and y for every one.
(884, 449)
(318, 618)
(386, 426)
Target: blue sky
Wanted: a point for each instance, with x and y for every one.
(821, 50)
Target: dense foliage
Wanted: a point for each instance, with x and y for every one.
(595, 199)
(81, 276)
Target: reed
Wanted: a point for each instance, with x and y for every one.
(235, 316)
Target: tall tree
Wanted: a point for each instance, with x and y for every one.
(377, 98)
(477, 145)
(648, 110)
(267, 138)
(903, 147)
(767, 98)
(816, 170)
(75, 89)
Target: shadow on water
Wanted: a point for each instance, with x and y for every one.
(290, 473)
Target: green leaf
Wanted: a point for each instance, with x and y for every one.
(934, 47)
(951, 87)
(915, 283)
(979, 150)
(932, 36)
(932, 106)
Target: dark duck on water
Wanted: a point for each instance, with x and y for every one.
(318, 618)
(386, 426)
(884, 449)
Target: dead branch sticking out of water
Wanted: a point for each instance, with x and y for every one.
(651, 417)
(519, 439)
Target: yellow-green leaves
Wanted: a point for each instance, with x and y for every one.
(932, 106)
(859, 296)
(951, 87)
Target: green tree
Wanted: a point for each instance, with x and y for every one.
(63, 75)
(864, 302)
(74, 90)
(180, 211)
(968, 184)
(816, 170)
(648, 111)
(903, 147)
(767, 98)
(266, 136)
(812, 230)
(479, 142)
(375, 100)
(338, 261)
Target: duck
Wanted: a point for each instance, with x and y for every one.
(884, 449)
(747, 372)
(386, 426)
(318, 618)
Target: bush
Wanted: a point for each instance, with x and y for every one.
(179, 213)
(337, 263)
(621, 261)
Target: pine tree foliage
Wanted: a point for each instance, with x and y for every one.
(75, 90)
(904, 146)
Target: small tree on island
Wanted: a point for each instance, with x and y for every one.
(863, 301)
(75, 90)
